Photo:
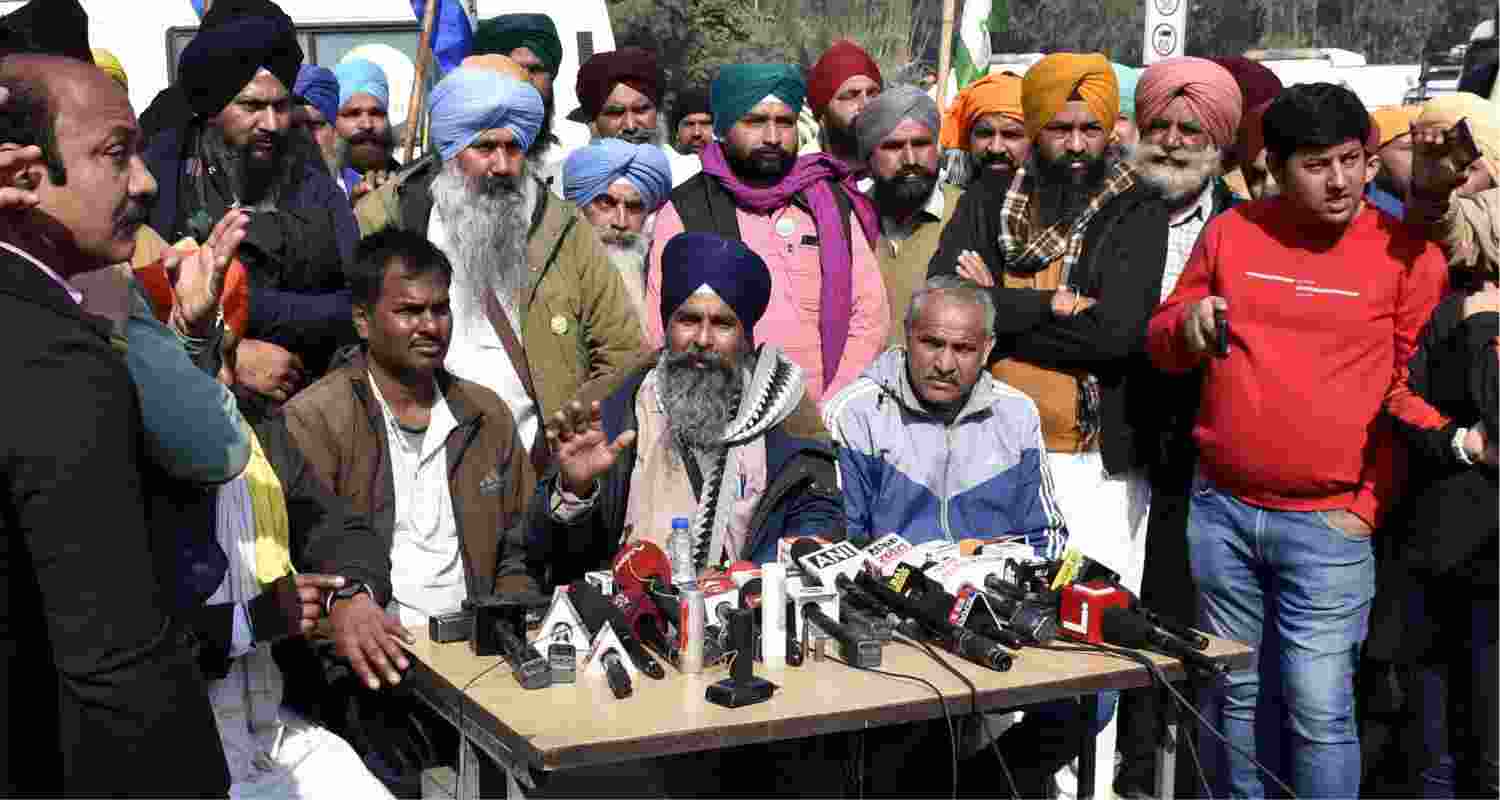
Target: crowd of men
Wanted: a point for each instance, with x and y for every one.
(1236, 342)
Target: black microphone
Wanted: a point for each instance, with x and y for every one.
(981, 650)
(615, 673)
(1127, 628)
(928, 594)
(595, 611)
(800, 549)
(859, 651)
(1192, 638)
(531, 670)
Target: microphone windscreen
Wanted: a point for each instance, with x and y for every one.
(636, 564)
(802, 548)
(1125, 628)
(633, 604)
(968, 547)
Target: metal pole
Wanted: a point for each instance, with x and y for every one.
(424, 54)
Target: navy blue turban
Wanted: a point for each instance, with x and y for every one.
(318, 86)
(221, 60)
(692, 261)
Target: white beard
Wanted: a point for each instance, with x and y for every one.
(1181, 175)
(487, 226)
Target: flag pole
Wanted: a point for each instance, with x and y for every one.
(945, 54)
(418, 77)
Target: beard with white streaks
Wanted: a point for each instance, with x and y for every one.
(1180, 173)
(486, 220)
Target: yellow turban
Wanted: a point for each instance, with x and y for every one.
(1446, 110)
(1393, 122)
(1050, 82)
(993, 94)
(112, 67)
(501, 64)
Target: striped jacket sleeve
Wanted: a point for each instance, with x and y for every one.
(851, 439)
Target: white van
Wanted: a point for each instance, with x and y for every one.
(149, 35)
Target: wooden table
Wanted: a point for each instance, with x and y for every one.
(567, 726)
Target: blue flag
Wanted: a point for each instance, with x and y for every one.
(452, 36)
(198, 8)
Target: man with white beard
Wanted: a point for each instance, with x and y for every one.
(537, 308)
(1188, 111)
(619, 186)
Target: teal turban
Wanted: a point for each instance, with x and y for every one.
(1127, 78)
(741, 87)
(535, 32)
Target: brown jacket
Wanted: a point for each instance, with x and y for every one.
(577, 321)
(337, 423)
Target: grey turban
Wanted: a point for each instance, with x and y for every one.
(888, 110)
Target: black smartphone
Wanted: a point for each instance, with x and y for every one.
(1461, 144)
(1221, 335)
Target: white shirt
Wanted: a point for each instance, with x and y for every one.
(427, 570)
(1182, 233)
(475, 352)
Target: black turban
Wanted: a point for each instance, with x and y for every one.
(53, 27)
(689, 101)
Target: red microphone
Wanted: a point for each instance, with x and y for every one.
(638, 563)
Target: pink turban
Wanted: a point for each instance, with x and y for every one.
(1211, 93)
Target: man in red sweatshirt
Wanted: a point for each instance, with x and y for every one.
(1320, 299)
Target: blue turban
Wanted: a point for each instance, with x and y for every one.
(320, 88)
(359, 76)
(589, 171)
(471, 100)
(741, 87)
(1128, 78)
(733, 271)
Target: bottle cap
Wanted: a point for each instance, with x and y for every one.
(679, 522)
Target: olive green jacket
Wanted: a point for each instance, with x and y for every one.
(577, 321)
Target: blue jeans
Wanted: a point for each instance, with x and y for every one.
(1298, 590)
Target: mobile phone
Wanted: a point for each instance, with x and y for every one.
(1462, 146)
(1221, 334)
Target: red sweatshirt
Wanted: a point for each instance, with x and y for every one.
(1319, 342)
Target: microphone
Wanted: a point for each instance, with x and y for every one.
(801, 549)
(531, 670)
(1127, 628)
(928, 594)
(860, 651)
(980, 649)
(1190, 637)
(644, 619)
(614, 672)
(639, 565)
(595, 611)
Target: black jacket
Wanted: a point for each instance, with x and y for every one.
(101, 693)
(1124, 249)
(1444, 542)
(801, 497)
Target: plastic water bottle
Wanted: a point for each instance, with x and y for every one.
(680, 551)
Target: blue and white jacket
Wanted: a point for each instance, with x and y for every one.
(906, 471)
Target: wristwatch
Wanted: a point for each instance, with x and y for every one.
(349, 590)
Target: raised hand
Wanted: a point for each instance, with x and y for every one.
(1433, 171)
(200, 275)
(13, 159)
(576, 436)
(971, 266)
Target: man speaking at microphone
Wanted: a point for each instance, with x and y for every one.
(713, 429)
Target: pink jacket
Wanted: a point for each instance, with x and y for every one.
(791, 319)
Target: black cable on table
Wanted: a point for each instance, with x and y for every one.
(463, 694)
(1157, 675)
(973, 709)
(948, 718)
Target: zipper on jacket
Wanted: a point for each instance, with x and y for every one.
(948, 431)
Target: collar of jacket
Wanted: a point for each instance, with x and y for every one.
(358, 371)
(890, 372)
(25, 282)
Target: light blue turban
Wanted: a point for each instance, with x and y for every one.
(589, 171)
(320, 88)
(471, 100)
(741, 87)
(359, 76)
(1127, 78)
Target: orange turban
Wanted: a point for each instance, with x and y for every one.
(992, 94)
(1050, 82)
(1394, 122)
(497, 63)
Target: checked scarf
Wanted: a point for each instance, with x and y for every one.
(1027, 250)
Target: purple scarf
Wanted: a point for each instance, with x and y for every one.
(813, 177)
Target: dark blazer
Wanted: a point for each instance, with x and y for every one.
(1124, 250)
(102, 696)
